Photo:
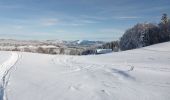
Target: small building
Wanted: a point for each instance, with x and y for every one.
(103, 51)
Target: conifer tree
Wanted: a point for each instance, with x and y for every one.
(165, 22)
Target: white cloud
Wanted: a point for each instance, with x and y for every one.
(111, 30)
(66, 21)
(71, 24)
(127, 17)
(94, 17)
(50, 21)
(85, 21)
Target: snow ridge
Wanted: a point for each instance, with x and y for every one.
(4, 70)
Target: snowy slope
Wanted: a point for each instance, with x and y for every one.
(4, 56)
(140, 74)
(5, 73)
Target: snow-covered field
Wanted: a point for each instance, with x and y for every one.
(5, 72)
(140, 74)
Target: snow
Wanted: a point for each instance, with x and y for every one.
(140, 74)
(88, 42)
(82, 41)
(3, 56)
(48, 46)
(103, 51)
(5, 72)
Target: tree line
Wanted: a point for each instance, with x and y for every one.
(145, 34)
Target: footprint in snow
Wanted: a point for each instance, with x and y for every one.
(105, 92)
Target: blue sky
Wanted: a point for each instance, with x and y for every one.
(76, 19)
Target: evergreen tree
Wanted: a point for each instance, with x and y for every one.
(165, 22)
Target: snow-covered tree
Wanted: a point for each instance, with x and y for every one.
(139, 36)
(146, 34)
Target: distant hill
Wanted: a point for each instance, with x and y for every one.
(76, 47)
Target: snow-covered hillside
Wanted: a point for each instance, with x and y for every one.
(140, 74)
